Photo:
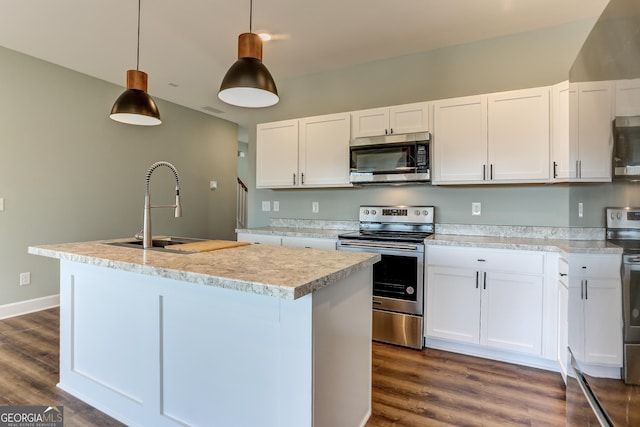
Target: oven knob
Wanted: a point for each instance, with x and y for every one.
(618, 215)
(417, 212)
(613, 215)
(366, 212)
(410, 290)
(425, 212)
(373, 211)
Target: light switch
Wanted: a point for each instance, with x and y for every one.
(1, 203)
(266, 205)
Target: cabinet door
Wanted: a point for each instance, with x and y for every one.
(595, 138)
(260, 239)
(309, 243)
(324, 150)
(277, 154)
(563, 327)
(373, 122)
(512, 313)
(460, 140)
(564, 148)
(409, 118)
(603, 322)
(453, 304)
(519, 135)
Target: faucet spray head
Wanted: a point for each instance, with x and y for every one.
(178, 212)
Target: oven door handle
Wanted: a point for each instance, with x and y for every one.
(379, 246)
(632, 260)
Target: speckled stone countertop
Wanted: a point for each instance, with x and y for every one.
(534, 238)
(521, 243)
(282, 272)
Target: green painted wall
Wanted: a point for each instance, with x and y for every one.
(69, 173)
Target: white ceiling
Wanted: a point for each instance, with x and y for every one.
(186, 46)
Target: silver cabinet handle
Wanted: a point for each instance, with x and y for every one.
(586, 289)
(294, 179)
(302, 178)
(484, 172)
(477, 281)
(491, 173)
(485, 281)
(555, 170)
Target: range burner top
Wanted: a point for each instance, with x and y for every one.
(623, 229)
(417, 237)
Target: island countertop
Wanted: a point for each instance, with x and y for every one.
(282, 272)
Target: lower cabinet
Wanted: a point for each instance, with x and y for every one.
(276, 240)
(493, 298)
(595, 309)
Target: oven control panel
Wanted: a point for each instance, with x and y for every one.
(623, 218)
(397, 214)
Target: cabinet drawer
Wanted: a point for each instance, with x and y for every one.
(487, 259)
(260, 239)
(594, 265)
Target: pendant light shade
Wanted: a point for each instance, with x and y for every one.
(135, 106)
(248, 83)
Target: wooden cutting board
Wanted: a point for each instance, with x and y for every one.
(207, 245)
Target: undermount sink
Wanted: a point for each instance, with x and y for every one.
(160, 243)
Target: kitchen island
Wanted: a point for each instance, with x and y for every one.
(247, 336)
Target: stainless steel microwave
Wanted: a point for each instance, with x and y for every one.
(390, 159)
(626, 148)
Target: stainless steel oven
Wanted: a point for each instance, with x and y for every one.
(623, 229)
(397, 233)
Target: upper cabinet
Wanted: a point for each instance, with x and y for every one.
(595, 114)
(399, 119)
(582, 139)
(460, 140)
(490, 139)
(309, 152)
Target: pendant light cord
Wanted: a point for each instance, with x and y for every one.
(250, 16)
(138, 49)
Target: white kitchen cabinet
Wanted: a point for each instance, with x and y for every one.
(595, 309)
(260, 239)
(627, 98)
(309, 242)
(563, 316)
(489, 139)
(563, 132)
(519, 135)
(324, 150)
(595, 112)
(488, 297)
(398, 119)
(459, 140)
(308, 152)
(277, 154)
(292, 241)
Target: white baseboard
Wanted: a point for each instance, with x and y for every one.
(29, 306)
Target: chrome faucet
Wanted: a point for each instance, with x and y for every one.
(147, 241)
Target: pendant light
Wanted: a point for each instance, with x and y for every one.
(248, 83)
(135, 106)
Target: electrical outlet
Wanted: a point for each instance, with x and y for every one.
(276, 206)
(266, 206)
(315, 207)
(25, 279)
(580, 210)
(476, 208)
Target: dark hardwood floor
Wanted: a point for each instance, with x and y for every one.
(410, 388)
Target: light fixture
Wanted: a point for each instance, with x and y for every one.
(248, 83)
(135, 106)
